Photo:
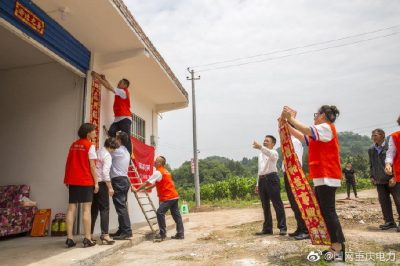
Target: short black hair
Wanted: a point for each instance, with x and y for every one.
(124, 138)
(331, 112)
(111, 143)
(163, 160)
(271, 137)
(378, 131)
(126, 82)
(85, 129)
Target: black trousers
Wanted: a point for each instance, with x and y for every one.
(101, 203)
(326, 199)
(301, 226)
(124, 125)
(121, 186)
(351, 183)
(269, 190)
(171, 205)
(384, 192)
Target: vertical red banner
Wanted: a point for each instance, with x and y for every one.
(95, 109)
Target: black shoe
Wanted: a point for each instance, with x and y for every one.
(159, 238)
(264, 233)
(122, 236)
(387, 226)
(88, 243)
(295, 233)
(70, 243)
(302, 236)
(178, 236)
(116, 233)
(282, 232)
(104, 241)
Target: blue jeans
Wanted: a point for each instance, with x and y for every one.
(121, 186)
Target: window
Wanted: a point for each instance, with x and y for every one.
(139, 128)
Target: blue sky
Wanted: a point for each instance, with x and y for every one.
(240, 104)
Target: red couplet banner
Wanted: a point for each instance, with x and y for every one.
(302, 191)
(95, 101)
(143, 161)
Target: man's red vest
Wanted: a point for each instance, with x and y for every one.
(396, 160)
(122, 107)
(323, 157)
(77, 169)
(166, 187)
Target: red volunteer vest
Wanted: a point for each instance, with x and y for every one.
(323, 157)
(122, 107)
(77, 169)
(396, 160)
(166, 187)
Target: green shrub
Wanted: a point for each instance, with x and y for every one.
(242, 188)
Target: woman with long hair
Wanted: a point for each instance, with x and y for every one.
(324, 165)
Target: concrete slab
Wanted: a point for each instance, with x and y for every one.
(45, 251)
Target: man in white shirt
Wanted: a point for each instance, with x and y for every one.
(121, 107)
(268, 186)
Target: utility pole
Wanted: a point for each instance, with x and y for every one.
(195, 151)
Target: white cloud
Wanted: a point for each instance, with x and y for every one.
(237, 105)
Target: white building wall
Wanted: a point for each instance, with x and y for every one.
(40, 113)
(144, 109)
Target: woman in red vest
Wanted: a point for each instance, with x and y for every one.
(393, 157)
(324, 165)
(81, 180)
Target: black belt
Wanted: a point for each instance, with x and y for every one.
(267, 175)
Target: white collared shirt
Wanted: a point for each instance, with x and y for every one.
(120, 162)
(267, 160)
(155, 177)
(103, 165)
(298, 148)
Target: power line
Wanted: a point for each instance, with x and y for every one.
(300, 53)
(298, 47)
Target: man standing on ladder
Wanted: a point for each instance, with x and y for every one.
(121, 107)
(168, 196)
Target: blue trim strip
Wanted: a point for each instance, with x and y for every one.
(55, 37)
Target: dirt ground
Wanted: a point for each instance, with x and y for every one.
(226, 237)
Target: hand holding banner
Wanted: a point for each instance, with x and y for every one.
(302, 191)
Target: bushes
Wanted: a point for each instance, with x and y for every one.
(242, 188)
(234, 187)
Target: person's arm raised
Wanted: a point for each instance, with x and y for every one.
(304, 129)
(102, 79)
(295, 133)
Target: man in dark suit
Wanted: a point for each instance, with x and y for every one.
(385, 188)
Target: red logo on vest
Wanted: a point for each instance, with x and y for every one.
(77, 169)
